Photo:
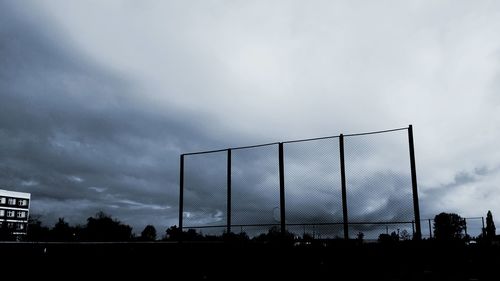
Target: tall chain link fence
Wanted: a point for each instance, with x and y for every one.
(379, 186)
(205, 193)
(255, 189)
(343, 186)
(313, 188)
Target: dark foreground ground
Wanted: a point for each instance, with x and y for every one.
(425, 260)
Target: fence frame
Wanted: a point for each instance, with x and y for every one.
(417, 221)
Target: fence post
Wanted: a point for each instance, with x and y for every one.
(483, 230)
(430, 228)
(416, 209)
(228, 212)
(181, 193)
(465, 226)
(282, 188)
(344, 192)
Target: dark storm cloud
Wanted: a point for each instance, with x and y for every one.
(73, 136)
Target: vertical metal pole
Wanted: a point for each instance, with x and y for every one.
(282, 188)
(430, 229)
(483, 229)
(181, 193)
(465, 226)
(228, 230)
(416, 208)
(343, 183)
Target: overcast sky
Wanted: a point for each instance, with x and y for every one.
(99, 98)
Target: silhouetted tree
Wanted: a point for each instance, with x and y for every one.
(103, 228)
(36, 231)
(448, 226)
(404, 235)
(62, 231)
(173, 233)
(274, 235)
(490, 230)
(235, 237)
(191, 235)
(360, 236)
(307, 237)
(149, 233)
(384, 238)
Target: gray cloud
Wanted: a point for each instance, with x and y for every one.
(99, 100)
(75, 137)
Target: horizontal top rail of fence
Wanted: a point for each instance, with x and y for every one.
(294, 141)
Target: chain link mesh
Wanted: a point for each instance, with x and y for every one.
(255, 186)
(378, 188)
(474, 226)
(378, 180)
(313, 187)
(205, 192)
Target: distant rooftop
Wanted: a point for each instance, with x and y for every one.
(16, 194)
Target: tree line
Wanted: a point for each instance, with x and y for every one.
(446, 226)
(103, 227)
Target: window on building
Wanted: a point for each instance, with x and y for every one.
(20, 226)
(12, 201)
(10, 224)
(2, 213)
(21, 214)
(10, 213)
(3, 200)
(22, 202)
